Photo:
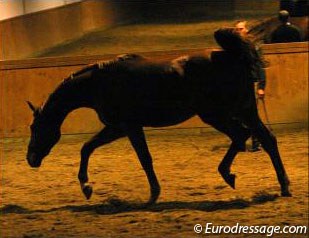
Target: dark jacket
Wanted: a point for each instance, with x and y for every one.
(260, 78)
(286, 33)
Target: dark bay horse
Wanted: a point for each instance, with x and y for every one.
(130, 92)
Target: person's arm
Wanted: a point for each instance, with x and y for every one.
(261, 75)
(261, 83)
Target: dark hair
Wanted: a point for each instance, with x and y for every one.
(283, 16)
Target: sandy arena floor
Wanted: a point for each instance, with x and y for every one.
(48, 202)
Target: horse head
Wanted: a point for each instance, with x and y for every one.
(43, 137)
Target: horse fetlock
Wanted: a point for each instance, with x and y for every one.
(87, 190)
(155, 193)
(223, 170)
(227, 176)
(286, 193)
(83, 179)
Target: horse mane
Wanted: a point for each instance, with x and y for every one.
(104, 65)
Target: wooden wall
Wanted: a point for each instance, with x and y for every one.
(253, 7)
(34, 79)
(26, 35)
(22, 36)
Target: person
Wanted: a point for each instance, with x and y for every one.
(241, 28)
(286, 32)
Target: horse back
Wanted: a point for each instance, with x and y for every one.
(148, 92)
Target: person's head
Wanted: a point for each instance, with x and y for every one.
(283, 16)
(241, 28)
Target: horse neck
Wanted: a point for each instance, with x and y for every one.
(70, 95)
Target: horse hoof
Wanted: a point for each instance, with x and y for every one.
(87, 190)
(154, 197)
(286, 194)
(149, 203)
(227, 176)
(230, 180)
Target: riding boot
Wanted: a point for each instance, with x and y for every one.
(256, 145)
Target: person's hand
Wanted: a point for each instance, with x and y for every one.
(260, 93)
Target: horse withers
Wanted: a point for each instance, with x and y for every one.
(131, 92)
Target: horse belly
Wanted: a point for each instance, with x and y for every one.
(148, 101)
(163, 116)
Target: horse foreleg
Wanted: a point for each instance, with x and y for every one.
(269, 143)
(105, 136)
(225, 165)
(238, 135)
(138, 141)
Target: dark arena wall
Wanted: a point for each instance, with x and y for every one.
(58, 25)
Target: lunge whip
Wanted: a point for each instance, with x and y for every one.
(265, 112)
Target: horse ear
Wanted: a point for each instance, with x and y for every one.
(33, 108)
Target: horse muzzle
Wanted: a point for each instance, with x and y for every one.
(33, 160)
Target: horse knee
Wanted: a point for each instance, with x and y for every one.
(239, 138)
(240, 145)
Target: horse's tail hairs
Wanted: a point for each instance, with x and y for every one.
(241, 47)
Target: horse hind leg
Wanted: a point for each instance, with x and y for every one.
(105, 136)
(269, 143)
(137, 138)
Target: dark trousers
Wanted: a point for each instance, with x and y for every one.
(255, 142)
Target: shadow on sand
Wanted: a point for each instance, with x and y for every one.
(115, 206)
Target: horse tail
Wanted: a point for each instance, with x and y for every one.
(249, 63)
(242, 49)
(239, 46)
